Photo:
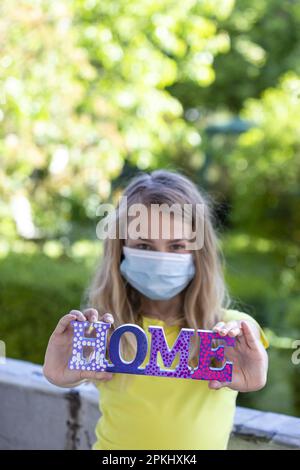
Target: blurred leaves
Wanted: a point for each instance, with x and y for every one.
(265, 165)
(265, 44)
(84, 86)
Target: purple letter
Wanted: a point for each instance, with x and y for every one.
(159, 344)
(97, 362)
(119, 364)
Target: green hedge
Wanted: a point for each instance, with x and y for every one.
(35, 291)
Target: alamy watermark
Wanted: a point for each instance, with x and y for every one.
(184, 222)
(2, 353)
(296, 354)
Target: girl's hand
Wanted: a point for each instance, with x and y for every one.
(249, 357)
(59, 351)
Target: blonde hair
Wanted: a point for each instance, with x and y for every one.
(205, 296)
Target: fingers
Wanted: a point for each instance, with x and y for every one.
(241, 329)
(216, 385)
(235, 331)
(249, 336)
(108, 318)
(79, 315)
(91, 314)
(66, 320)
(218, 327)
(231, 328)
(92, 375)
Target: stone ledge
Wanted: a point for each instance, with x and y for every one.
(271, 427)
(39, 415)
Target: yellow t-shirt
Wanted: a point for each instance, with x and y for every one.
(166, 413)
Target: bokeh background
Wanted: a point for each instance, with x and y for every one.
(93, 92)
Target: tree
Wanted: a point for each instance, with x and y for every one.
(264, 44)
(265, 166)
(84, 85)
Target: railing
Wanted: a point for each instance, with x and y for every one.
(37, 415)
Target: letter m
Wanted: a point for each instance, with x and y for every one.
(159, 345)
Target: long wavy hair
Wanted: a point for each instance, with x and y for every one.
(206, 295)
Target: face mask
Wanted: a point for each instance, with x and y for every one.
(157, 275)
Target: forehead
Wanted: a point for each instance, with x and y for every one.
(159, 222)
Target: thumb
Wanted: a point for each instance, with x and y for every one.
(216, 385)
(94, 375)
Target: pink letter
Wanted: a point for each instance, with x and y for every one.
(207, 353)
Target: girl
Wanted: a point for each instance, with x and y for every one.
(163, 281)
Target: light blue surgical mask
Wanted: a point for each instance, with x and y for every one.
(156, 274)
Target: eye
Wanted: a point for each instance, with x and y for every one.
(142, 246)
(177, 247)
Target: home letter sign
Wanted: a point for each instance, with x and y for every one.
(97, 359)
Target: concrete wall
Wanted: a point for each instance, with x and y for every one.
(37, 415)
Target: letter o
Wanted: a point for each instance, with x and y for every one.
(119, 364)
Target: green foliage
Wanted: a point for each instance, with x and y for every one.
(84, 85)
(262, 284)
(35, 291)
(265, 165)
(264, 44)
(263, 281)
(282, 391)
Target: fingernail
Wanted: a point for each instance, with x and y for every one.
(108, 317)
